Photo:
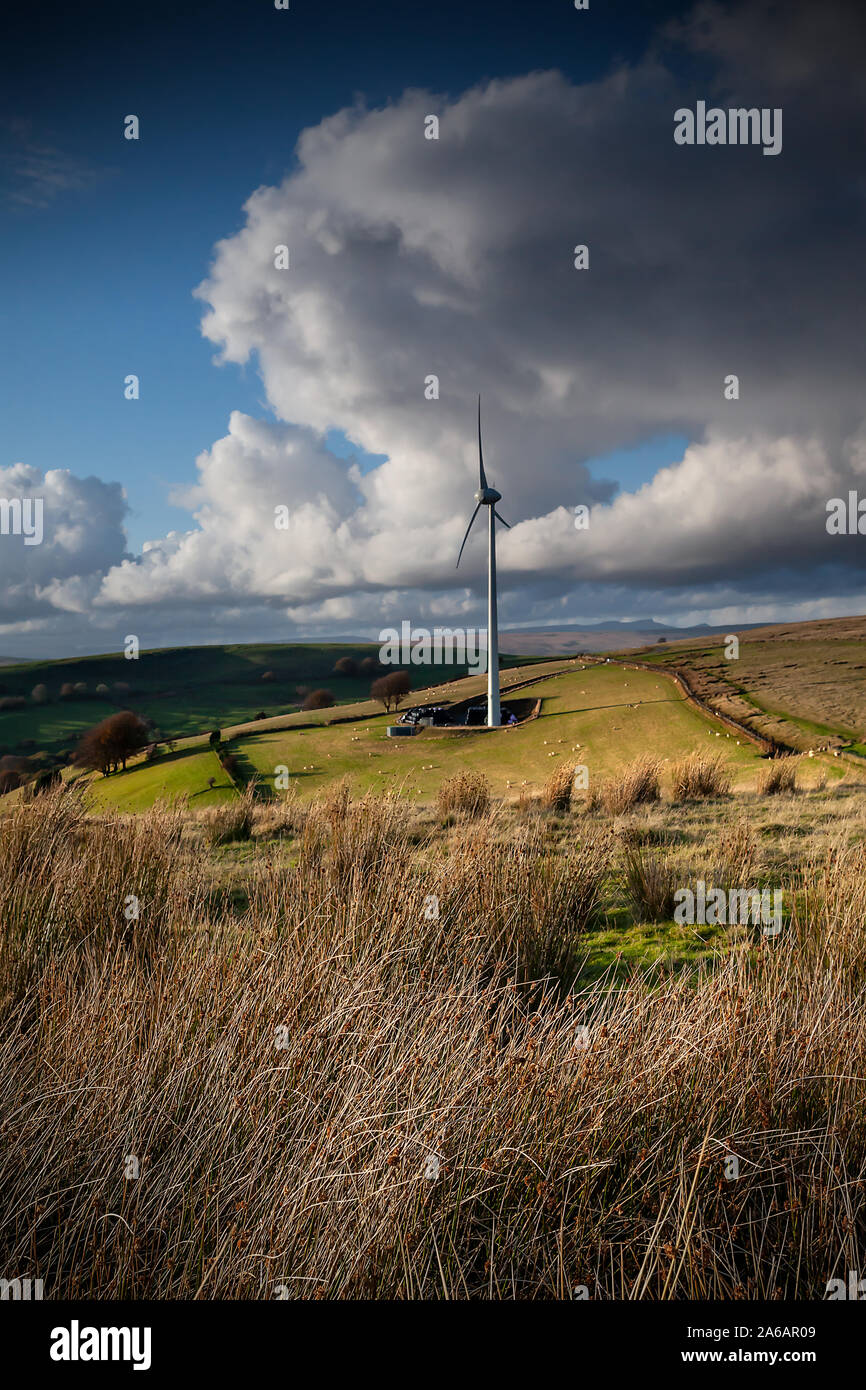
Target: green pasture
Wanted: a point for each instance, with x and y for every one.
(602, 716)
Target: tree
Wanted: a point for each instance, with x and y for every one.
(346, 666)
(67, 690)
(369, 665)
(319, 699)
(39, 694)
(391, 689)
(215, 738)
(112, 742)
(268, 676)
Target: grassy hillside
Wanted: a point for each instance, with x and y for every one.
(184, 690)
(602, 716)
(802, 684)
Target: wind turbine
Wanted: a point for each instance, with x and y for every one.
(488, 497)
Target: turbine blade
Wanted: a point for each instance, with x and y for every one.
(466, 537)
(480, 455)
(502, 519)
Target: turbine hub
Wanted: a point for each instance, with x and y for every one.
(488, 496)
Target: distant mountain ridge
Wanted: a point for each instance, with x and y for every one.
(603, 637)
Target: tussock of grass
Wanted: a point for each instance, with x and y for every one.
(638, 785)
(700, 775)
(780, 775)
(231, 821)
(467, 794)
(557, 791)
(275, 819)
(736, 856)
(77, 889)
(651, 881)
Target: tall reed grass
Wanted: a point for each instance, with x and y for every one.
(380, 1079)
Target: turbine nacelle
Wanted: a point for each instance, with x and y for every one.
(487, 497)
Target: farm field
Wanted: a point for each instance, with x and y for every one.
(803, 684)
(601, 716)
(172, 777)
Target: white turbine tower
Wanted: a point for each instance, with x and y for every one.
(488, 497)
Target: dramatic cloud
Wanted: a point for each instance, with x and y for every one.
(454, 258)
(60, 535)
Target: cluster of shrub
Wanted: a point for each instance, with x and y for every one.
(389, 688)
(228, 761)
(69, 690)
(111, 743)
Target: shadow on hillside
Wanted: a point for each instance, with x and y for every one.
(245, 774)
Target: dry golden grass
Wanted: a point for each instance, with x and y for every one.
(466, 794)
(557, 790)
(737, 855)
(780, 775)
(232, 820)
(638, 785)
(700, 775)
(379, 1077)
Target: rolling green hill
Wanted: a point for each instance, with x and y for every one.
(602, 716)
(183, 690)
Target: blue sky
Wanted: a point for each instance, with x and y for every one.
(222, 92)
(453, 258)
